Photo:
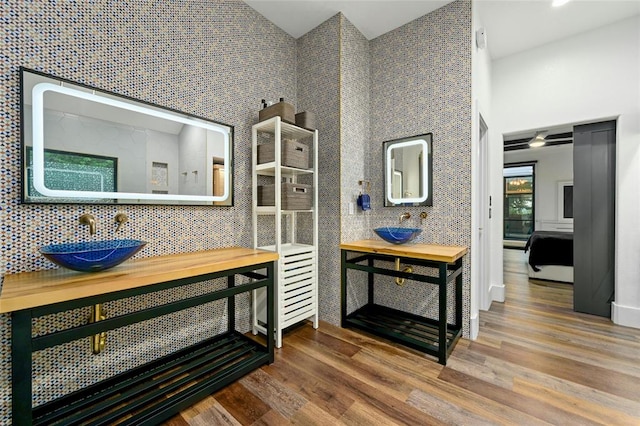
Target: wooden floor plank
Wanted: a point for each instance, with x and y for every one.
(445, 411)
(508, 398)
(378, 397)
(535, 362)
(361, 414)
(325, 395)
(600, 378)
(581, 408)
(216, 414)
(311, 414)
(273, 393)
(371, 375)
(241, 403)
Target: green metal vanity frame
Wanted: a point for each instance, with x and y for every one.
(434, 337)
(155, 391)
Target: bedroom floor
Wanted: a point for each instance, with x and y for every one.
(534, 362)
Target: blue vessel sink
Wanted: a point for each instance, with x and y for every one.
(92, 256)
(397, 235)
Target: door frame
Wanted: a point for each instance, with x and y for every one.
(480, 225)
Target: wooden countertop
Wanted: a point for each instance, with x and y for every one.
(33, 289)
(433, 252)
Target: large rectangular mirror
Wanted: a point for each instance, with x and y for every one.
(84, 145)
(408, 171)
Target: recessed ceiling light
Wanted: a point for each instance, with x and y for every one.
(558, 3)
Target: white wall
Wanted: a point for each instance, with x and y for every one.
(72, 133)
(553, 164)
(586, 78)
(486, 271)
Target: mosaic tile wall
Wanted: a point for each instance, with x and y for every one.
(421, 82)
(355, 135)
(212, 58)
(415, 79)
(318, 92)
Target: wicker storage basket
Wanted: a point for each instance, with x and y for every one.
(294, 196)
(294, 154)
(283, 109)
(306, 119)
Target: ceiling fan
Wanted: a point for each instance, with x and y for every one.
(542, 137)
(539, 139)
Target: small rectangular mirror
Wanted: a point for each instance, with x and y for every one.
(407, 171)
(84, 145)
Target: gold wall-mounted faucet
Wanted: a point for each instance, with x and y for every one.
(121, 219)
(405, 215)
(88, 219)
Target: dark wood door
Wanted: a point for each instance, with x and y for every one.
(594, 217)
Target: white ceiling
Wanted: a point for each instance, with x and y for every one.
(514, 26)
(371, 17)
(511, 25)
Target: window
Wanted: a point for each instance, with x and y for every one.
(63, 170)
(518, 202)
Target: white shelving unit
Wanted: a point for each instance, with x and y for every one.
(296, 280)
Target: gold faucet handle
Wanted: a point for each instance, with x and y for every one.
(88, 219)
(121, 219)
(423, 216)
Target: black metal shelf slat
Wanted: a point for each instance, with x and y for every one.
(392, 329)
(414, 322)
(83, 400)
(150, 396)
(100, 408)
(400, 325)
(375, 318)
(382, 331)
(158, 412)
(120, 381)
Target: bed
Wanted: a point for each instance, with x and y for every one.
(550, 255)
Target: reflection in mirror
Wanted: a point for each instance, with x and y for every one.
(408, 171)
(81, 145)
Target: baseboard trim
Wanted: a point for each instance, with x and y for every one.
(496, 293)
(628, 316)
(475, 327)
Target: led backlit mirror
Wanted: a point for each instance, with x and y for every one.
(407, 171)
(82, 145)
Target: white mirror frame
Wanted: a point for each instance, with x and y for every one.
(38, 93)
(389, 166)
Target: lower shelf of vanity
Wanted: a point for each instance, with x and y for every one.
(141, 395)
(411, 330)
